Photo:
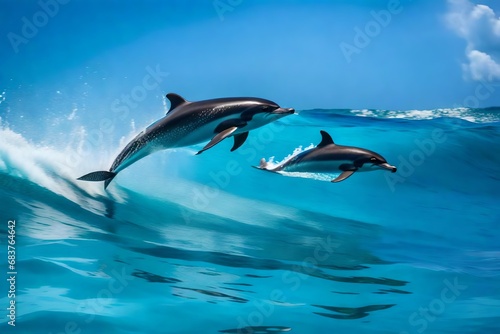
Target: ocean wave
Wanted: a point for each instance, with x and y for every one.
(189, 236)
(486, 115)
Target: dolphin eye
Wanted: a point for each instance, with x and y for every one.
(265, 107)
(373, 159)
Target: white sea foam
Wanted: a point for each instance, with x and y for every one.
(316, 176)
(52, 168)
(467, 114)
(272, 164)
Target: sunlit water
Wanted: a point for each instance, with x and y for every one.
(207, 244)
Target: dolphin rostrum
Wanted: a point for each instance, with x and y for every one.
(329, 157)
(188, 123)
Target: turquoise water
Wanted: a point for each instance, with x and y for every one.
(185, 244)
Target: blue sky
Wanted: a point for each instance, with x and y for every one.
(304, 54)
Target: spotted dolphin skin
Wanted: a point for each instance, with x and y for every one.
(329, 157)
(188, 123)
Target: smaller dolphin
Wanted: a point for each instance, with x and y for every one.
(329, 157)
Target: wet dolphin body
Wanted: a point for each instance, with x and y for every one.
(329, 157)
(188, 123)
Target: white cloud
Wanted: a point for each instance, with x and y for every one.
(480, 27)
(481, 66)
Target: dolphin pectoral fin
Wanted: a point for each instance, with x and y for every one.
(239, 140)
(97, 176)
(218, 138)
(343, 176)
(347, 170)
(105, 176)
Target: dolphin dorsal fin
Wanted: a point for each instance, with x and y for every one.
(326, 139)
(175, 101)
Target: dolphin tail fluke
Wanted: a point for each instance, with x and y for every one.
(105, 176)
(108, 181)
(263, 165)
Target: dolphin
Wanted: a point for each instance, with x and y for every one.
(328, 157)
(188, 123)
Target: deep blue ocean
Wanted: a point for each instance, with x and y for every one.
(186, 244)
(206, 244)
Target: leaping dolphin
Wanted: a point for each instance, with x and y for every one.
(188, 123)
(329, 157)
